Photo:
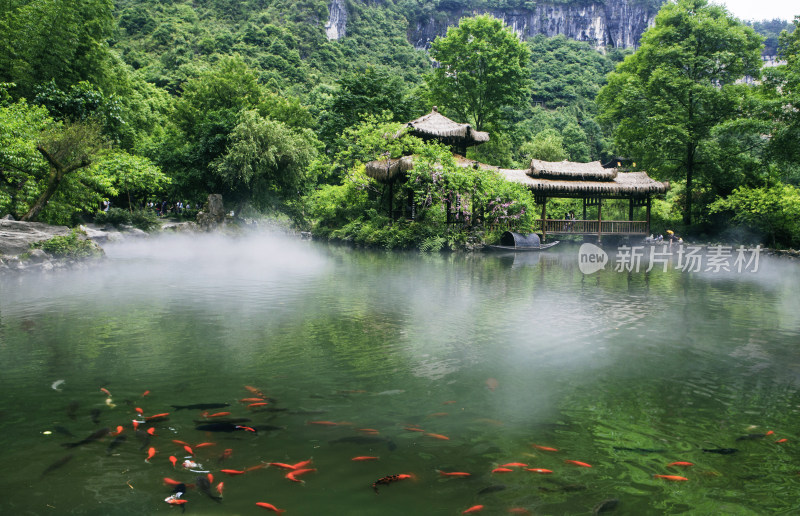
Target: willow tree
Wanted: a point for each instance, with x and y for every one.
(482, 68)
(665, 100)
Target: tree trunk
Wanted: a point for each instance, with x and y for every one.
(687, 214)
(52, 185)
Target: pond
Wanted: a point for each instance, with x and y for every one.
(419, 365)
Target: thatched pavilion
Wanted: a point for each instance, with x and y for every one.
(592, 183)
(436, 126)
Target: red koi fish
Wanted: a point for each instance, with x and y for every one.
(105, 391)
(253, 468)
(473, 509)
(672, 478)
(270, 507)
(255, 391)
(541, 471)
(151, 452)
(438, 436)
(514, 465)
(281, 465)
(453, 473)
(385, 481)
(170, 482)
(413, 429)
(173, 459)
(204, 445)
(140, 411)
(258, 404)
(578, 463)
(232, 472)
(157, 416)
(364, 457)
(250, 400)
(322, 423)
(544, 448)
(249, 429)
(176, 501)
(220, 414)
(302, 464)
(145, 393)
(151, 431)
(188, 450)
(292, 475)
(220, 486)
(682, 464)
(210, 478)
(120, 428)
(180, 443)
(502, 470)
(781, 441)
(368, 430)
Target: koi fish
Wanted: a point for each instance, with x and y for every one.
(204, 486)
(368, 430)
(270, 507)
(578, 463)
(518, 510)
(513, 465)
(605, 506)
(453, 473)
(210, 478)
(364, 457)
(749, 437)
(254, 390)
(781, 441)
(120, 428)
(139, 410)
(258, 404)
(171, 482)
(57, 464)
(174, 460)
(680, 463)
(473, 509)
(116, 442)
(385, 481)
(145, 393)
(225, 454)
(292, 475)
(302, 464)
(544, 448)
(188, 450)
(220, 486)
(449, 402)
(247, 428)
(251, 400)
(176, 501)
(539, 470)
(180, 443)
(721, 451)
(157, 416)
(672, 478)
(281, 465)
(322, 423)
(105, 391)
(413, 429)
(151, 431)
(204, 445)
(439, 414)
(151, 452)
(492, 384)
(438, 436)
(220, 414)
(232, 472)
(502, 470)
(135, 424)
(96, 436)
(253, 468)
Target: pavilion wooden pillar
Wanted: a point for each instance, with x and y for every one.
(599, 219)
(630, 210)
(544, 218)
(583, 229)
(648, 215)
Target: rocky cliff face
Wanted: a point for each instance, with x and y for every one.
(617, 23)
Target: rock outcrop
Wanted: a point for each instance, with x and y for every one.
(16, 237)
(336, 27)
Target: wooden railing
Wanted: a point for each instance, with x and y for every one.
(590, 227)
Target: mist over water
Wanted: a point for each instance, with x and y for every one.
(594, 365)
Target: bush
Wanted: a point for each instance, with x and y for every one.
(74, 245)
(142, 219)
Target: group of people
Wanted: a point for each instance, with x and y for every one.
(671, 238)
(569, 218)
(163, 208)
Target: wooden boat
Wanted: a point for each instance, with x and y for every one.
(517, 242)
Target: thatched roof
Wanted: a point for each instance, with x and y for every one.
(625, 184)
(386, 169)
(570, 170)
(436, 125)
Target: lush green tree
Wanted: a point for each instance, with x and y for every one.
(665, 100)
(265, 160)
(547, 145)
(773, 213)
(482, 68)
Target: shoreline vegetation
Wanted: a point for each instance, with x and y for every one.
(140, 105)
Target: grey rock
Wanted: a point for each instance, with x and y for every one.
(336, 27)
(38, 256)
(16, 237)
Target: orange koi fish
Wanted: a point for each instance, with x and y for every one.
(251, 400)
(180, 443)
(204, 445)
(220, 486)
(438, 436)
(270, 507)
(413, 429)
(255, 391)
(249, 429)
(171, 482)
(672, 478)
(385, 481)
(453, 473)
(220, 414)
(173, 459)
(140, 411)
(680, 463)
(518, 510)
(449, 402)
(514, 465)
(769, 433)
(781, 441)
(364, 457)
(292, 475)
(539, 470)
(258, 404)
(502, 470)
(474, 508)
(368, 430)
(151, 452)
(120, 428)
(544, 448)
(151, 431)
(322, 423)
(210, 478)
(188, 450)
(157, 416)
(302, 464)
(145, 393)
(176, 501)
(578, 463)
(253, 468)
(105, 391)
(232, 472)
(281, 465)
(135, 424)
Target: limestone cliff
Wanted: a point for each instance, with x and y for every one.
(601, 23)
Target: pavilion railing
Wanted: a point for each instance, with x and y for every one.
(579, 227)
